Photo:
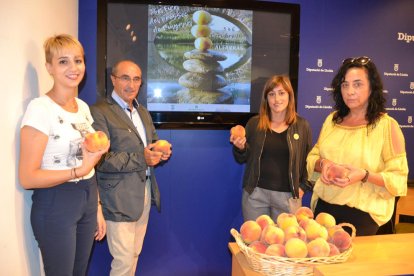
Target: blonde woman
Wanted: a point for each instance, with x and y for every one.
(54, 163)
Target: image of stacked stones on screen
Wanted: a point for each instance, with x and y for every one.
(199, 56)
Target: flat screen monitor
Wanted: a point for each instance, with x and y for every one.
(204, 63)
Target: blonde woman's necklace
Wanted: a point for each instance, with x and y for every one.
(71, 105)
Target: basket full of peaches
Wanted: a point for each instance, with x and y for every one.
(294, 243)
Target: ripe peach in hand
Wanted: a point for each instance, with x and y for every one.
(250, 231)
(337, 171)
(276, 250)
(318, 248)
(258, 247)
(272, 234)
(342, 240)
(238, 131)
(303, 213)
(296, 248)
(96, 141)
(285, 220)
(162, 146)
(326, 220)
(264, 220)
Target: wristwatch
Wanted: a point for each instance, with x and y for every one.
(363, 180)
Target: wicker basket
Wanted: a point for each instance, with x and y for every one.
(274, 265)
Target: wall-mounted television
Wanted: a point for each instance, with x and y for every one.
(204, 63)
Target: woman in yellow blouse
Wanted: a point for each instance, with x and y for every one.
(359, 162)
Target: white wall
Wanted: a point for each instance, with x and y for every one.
(24, 25)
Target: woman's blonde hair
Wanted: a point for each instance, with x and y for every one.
(56, 43)
(265, 113)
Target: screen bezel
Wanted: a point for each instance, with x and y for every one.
(204, 120)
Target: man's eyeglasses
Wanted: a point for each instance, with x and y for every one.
(127, 79)
(358, 60)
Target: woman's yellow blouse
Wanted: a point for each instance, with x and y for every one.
(369, 149)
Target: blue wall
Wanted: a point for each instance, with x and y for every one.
(201, 184)
(201, 192)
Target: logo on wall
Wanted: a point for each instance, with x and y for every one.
(396, 73)
(405, 37)
(410, 119)
(395, 106)
(319, 69)
(318, 99)
(395, 67)
(410, 91)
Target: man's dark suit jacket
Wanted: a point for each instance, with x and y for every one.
(121, 173)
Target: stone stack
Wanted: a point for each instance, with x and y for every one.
(204, 73)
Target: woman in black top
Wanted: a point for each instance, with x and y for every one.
(275, 148)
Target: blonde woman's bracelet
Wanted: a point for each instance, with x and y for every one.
(74, 172)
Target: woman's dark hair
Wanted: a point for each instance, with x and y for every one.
(265, 116)
(376, 100)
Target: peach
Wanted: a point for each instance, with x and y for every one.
(162, 146)
(264, 220)
(238, 131)
(285, 220)
(96, 141)
(333, 250)
(272, 234)
(324, 233)
(203, 43)
(303, 223)
(202, 17)
(342, 240)
(250, 231)
(337, 171)
(303, 213)
(276, 250)
(258, 247)
(314, 230)
(318, 248)
(200, 31)
(295, 231)
(296, 248)
(333, 229)
(326, 220)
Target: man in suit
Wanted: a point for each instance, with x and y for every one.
(125, 174)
